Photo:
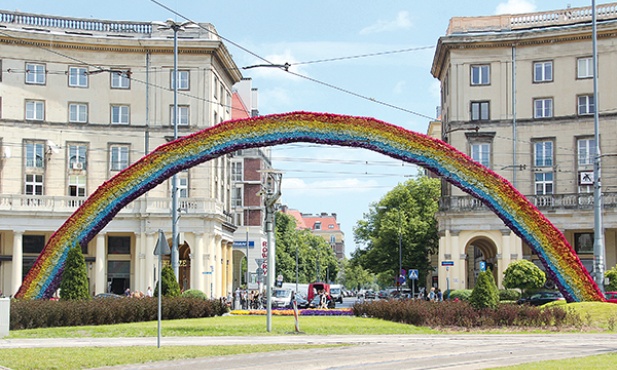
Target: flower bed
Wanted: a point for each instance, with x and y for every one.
(304, 312)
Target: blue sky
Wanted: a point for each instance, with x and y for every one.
(403, 34)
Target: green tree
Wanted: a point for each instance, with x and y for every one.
(314, 253)
(523, 274)
(354, 276)
(169, 284)
(485, 294)
(612, 279)
(406, 212)
(74, 283)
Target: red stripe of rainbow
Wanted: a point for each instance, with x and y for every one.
(560, 260)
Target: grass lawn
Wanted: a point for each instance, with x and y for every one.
(595, 317)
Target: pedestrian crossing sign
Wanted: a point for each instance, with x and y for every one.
(413, 274)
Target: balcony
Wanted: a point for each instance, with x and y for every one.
(467, 203)
(41, 204)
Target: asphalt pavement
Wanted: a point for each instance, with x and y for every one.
(440, 351)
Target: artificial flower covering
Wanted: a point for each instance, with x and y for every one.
(559, 258)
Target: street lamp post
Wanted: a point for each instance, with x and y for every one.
(170, 24)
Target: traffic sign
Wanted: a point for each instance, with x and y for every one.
(482, 265)
(413, 274)
(447, 263)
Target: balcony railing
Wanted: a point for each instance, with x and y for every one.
(510, 22)
(40, 204)
(584, 201)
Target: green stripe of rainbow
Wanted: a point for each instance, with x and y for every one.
(561, 262)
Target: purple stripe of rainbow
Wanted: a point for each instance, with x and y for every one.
(561, 262)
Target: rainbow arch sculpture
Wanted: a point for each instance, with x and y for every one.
(522, 217)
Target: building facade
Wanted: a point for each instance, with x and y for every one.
(248, 179)
(324, 225)
(82, 99)
(517, 96)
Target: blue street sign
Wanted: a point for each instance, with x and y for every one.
(242, 243)
(482, 265)
(447, 263)
(413, 274)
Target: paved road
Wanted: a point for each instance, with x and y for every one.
(369, 352)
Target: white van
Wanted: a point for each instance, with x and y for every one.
(336, 291)
(281, 297)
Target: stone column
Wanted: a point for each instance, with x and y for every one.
(197, 263)
(504, 258)
(18, 261)
(100, 282)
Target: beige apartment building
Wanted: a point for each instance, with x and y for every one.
(517, 96)
(82, 99)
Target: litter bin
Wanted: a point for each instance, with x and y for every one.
(5, 316)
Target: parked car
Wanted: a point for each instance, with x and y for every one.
(611, 297)
(301, 301)
(540, 298)
(281, 298)
(107, 295)
(369, 294)
(336, 291)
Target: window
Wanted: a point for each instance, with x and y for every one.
(78, 112)
(236, 171)
(543, 108)
(78, 77)
(77, 186)
(586, 151)
(33, 244)
(183, 115)
(216, 87)
(120, 114)
(236, 197)
(543, 152)
(317, 225)
(583, 243)
(121, 80)
(35, 155)
(584, 67)
(543, 71)
(77, 156)
(118, 245)
(480, 74)
(480, 111)
(119, 157)
(481, 153)
(34, 184)
(182, 183)
(586, 105)
(35, 73)
(35, 110)
(544, 183)
(183, 80)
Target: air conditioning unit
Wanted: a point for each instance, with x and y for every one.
(77, 166)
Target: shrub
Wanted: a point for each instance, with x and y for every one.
(30, 314)
(523, 274)
(169, 284)
(509, 295)
(461, 294)
(485, 293)
(74, 283)
(194, 293)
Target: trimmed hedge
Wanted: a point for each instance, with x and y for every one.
(462, 314)
(30, 314)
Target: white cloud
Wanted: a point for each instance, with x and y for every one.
(401, 21)
(516, 6)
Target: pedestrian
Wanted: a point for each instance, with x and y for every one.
(439, 295)
(432, 295)
(127, 292)
(149, 292)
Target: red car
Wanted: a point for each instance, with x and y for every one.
(611, 297)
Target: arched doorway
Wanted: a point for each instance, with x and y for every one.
(481, 253)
